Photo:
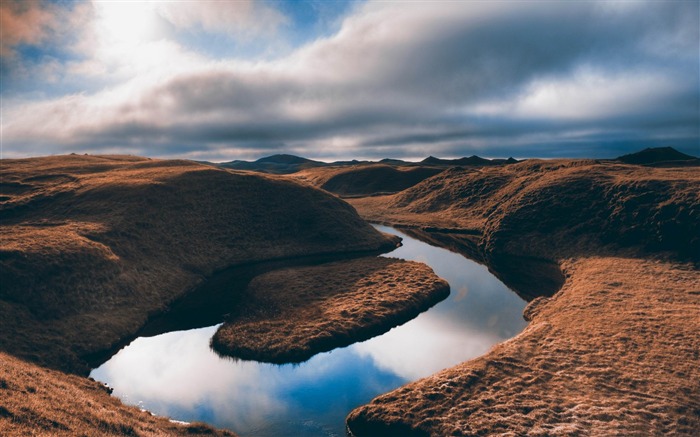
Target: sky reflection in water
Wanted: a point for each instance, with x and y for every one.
(177, 375)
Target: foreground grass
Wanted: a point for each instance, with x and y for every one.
(39, 401)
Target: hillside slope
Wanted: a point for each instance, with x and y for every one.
(535, 206)
(275, 164)
(376, 179)
(614, 351)
(91, 246)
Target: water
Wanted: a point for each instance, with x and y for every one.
(177, 375)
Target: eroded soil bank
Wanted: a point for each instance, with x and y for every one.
(289, 315)
(614, 352)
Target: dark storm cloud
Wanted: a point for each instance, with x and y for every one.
(399, 79)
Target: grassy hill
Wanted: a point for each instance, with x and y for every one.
(660, 157)
(609, 255)
(92, 246)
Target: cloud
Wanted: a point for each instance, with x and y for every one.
(425, 346)
(239, 18)
(406, 79)
(23, 22)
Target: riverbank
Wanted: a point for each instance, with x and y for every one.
(92, 247)
(614, 351)
(35, 400)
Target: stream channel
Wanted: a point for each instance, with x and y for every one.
(177, 375)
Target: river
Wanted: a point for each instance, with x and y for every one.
(177, 375)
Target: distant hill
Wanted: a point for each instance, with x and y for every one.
(391, 161)
(286, 159)
(659, 157)
(470, 161)
(277, 164)
(376, 179)
(287, 164)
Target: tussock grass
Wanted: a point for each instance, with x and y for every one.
(40, 401)
(291, 314)
(614, 351)
(92, 246)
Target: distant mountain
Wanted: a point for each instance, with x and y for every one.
(278, 164)
(353, 162)
(391, 161)
(286, 159)
(659, 157)
(286, 164)
(510, 160)
(470, 161)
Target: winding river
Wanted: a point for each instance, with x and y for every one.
(177, 375)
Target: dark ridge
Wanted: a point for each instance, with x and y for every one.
(432, 160)
(468, 161)
(277, 164)
(658, 156)
(391, 161)
(353, 162)
(286, 159)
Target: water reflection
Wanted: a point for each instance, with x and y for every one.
(177, 375)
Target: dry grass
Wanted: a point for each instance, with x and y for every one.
(292, 314)
(531, 207)
(44, 402)
(614, 352)
(366, 179)
(92, 246)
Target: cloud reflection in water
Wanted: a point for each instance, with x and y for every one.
(176, 374)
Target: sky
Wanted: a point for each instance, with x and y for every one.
(335, 80)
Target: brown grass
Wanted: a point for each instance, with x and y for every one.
(92, 246)
(40, 401)
(292, 314)
(614, 352)
(366, 179)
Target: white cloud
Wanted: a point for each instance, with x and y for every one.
(417, 74)
(587, 94)
(241, 18)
